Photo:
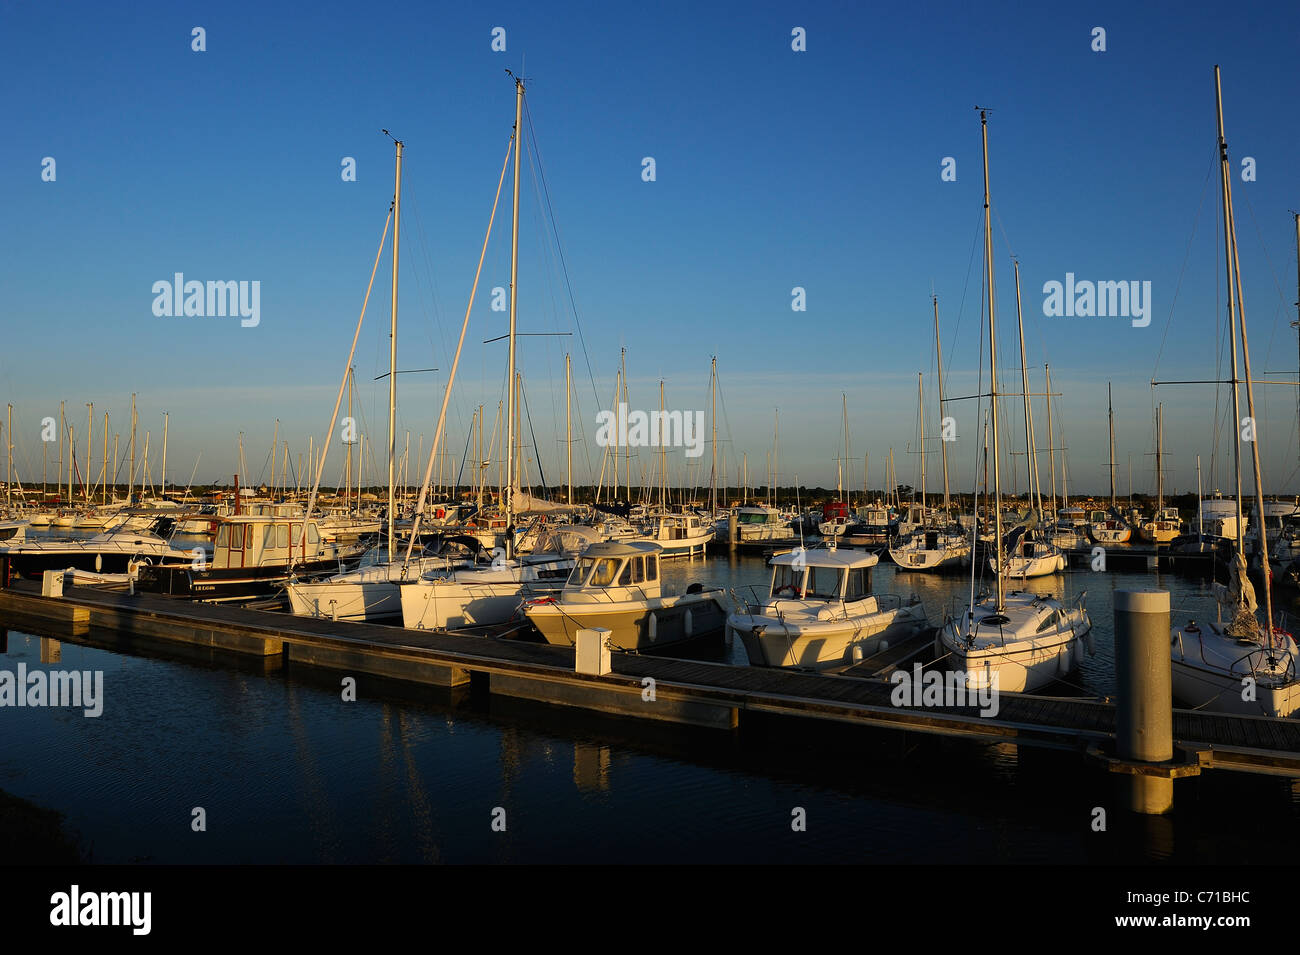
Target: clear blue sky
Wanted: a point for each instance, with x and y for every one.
(775, 169)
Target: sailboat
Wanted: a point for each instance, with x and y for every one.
(1238, 665)
(1109, 527)
(1028, 550)
(484, 596)
(1166, 525)
(836, 514)
(941, 545)
(1013, 641)
(369, 592)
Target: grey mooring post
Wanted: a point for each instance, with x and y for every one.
(1144, 716)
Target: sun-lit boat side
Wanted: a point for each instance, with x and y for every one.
(617, 586)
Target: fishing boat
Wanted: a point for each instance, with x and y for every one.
(757, 522)
(679, 535)
(253, 556)
(1240, 664)
(821, 613)
(617, 586)
(1015, 641)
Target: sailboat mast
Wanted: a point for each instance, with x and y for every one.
(1160, 461)
(508, 492)
(920, 404)
(1250, 410)
(993, 366)
(1110, 414)
(392, 350)
(1051, 444)
(163, 483)
(1226, 198)
(1031, 458)
(90, 448)
(568, 424)
(103, 464)
(943, 445)
(130, 484)
(713, 388)
(663, 454)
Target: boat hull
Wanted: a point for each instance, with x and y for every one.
(636, 626)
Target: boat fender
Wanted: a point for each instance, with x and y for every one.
(688, 622)
(1088, 642)
(99, 562)
(1063, 660)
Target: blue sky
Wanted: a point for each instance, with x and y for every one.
(774, 169)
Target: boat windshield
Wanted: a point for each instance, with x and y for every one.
(602, 570)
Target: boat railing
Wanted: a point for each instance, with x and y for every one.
(1267, 659)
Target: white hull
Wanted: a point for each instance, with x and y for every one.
(368, 594)
(476, 597)
(1018, 656)
(783, 641)
(1211, 669)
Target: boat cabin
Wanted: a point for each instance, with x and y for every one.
(830, 575)
(615, 570)
(256, 540)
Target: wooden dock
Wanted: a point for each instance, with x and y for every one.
(716, 695)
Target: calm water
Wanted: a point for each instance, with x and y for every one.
(288, 772)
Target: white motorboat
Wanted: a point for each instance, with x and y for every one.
(680, 535)
(821, 613)
(617, 586)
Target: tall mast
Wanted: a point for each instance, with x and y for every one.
(130, 483)
(1110, 414)
(392, 350)
(59, 473)
(920, 404)
(1226, 198)
(508, 492)
(164, 460)
(993, 365)
(839, 462)
(1031, 458)
(1250, 397)
(568, 424)
(943, 445)
(713, 386)
(9, 447)
(1200, 519)
(103, 464)
(90, 448)
(663, 454)
(627, 445)
(1160, 462)
(1051, 443)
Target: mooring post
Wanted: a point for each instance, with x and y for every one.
(1144, 715)
(732, 531)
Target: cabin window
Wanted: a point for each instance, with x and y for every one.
(638, 569)
(652, 567)
(786, 578)
(823, 582)
(625, 578)
(268, 537)
(282, 536)
(313, 536)
(223, 535)
(859, 584)
(236, 536)
(1052, 620)
(248, 538)
(603, 575)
